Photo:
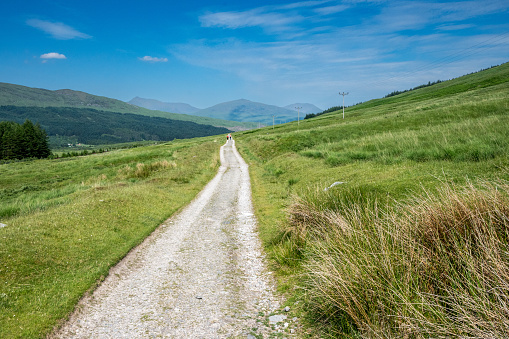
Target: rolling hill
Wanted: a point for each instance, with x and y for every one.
(16, 95)
(172, 107)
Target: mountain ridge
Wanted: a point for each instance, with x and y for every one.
(242, 110)
(171, 107)
(19, 95)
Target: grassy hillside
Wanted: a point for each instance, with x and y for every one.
(16, 95)
(394, 221)
(65, 222)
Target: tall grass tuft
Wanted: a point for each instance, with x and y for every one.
(143, 170)
(436, 265)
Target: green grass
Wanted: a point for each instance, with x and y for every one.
(69, 220)
(385, 152)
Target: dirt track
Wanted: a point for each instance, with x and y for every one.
(200, 275)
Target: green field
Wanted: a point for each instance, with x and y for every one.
(412, 240)
(69, 220)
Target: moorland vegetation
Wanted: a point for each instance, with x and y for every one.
(393, 222)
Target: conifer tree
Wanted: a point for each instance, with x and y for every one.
(23, 141)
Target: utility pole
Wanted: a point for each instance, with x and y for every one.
(273, 121)
(343, 94)
(298, 115)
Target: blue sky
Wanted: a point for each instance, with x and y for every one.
(205, 52)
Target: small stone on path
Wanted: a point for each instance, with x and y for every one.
(276, 318)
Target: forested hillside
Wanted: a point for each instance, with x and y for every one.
(90, 126)
(16, 95)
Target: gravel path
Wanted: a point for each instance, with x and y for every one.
(199, 275)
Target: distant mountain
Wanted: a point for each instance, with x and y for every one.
(171, 107)
(238, 110)
(245, 110)
(16, 95)
(305, 108)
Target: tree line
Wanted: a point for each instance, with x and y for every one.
(94, 127)
(332, 109)
(19, 141)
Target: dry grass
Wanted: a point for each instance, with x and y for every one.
(142, 170)
(435, 266)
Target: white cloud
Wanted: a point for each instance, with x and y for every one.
(57, 30)
(53, 55)
(304, 4)
(251, 18)
(153, 59)
(331, 9)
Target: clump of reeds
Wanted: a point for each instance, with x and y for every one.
(142, 170)
(434, 266)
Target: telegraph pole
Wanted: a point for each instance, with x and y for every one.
(298, 114)
(343, 94)
(273, 121)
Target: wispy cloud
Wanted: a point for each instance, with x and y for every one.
(153, 59)
(272, 18)
(57, 30)
(318, 45)
(252, 18)
(331, 9)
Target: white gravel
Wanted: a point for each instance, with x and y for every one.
(201, 274)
